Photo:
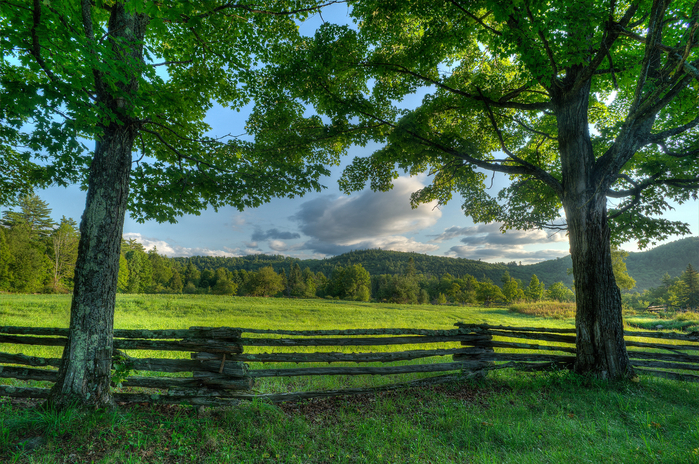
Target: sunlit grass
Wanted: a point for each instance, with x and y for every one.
(184, 311)
(510, 417)
(545, 309)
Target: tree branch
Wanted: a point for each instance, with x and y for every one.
(249, 9)
(475, 18)
(496, 103)
(547, 47)
(168, 63)
(610, 36)
(36, 46)
(86, 10)
(689, 68)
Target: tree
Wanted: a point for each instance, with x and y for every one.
(34, 213)
(5, 261)
(64, 251)
(265, 282)
(690, 278)
(535, 290)
(621, 275)
(576, 103)
(94, 72)
(123, 274)
(559, 292)
(510, 288)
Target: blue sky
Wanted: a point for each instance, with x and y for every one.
(329, 223)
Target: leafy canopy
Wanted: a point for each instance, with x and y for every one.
(493, 76)
(56, 62)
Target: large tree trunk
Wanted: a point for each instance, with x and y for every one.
(601, 350)
(85, 373)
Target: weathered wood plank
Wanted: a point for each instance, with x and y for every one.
(27, 373)
(213, 346)
(346, 332)
(241, 384)
(487, 327)
(501, 357)
(184, 365)
(389, 370)
(669, 375)
(342, 357)
(536, 336)
(213, 333)
(42, 341)
(136, 344)
(528, 346)
(690, 337)
(24, 392)
(662, 346)
(359, 341)
(25, 360)
(666, 365)
(633, 354)
(225, 398)
(11, 330)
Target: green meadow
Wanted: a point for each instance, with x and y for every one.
(509, 416)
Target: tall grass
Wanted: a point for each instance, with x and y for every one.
(545, 309)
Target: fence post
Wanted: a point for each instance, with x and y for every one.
(478, 366)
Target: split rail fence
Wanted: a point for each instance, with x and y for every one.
(218, 368)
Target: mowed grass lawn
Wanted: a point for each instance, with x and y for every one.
(508, 417)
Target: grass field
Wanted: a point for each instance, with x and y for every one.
(508, 417)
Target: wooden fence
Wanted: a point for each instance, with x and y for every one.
(218, 370)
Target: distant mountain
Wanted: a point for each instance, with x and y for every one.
(647, 267)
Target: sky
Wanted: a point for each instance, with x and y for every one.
(329, 223)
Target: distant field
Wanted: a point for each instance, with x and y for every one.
(182, 311)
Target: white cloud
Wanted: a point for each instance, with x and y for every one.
(490, 234)
(489, 243)
(165, 248)
(278, 245)
(498, 254)
(368, 220)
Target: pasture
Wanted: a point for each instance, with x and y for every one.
(508, 417)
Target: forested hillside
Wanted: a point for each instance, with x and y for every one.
(38, 255)
(649, 267)
(646, 267)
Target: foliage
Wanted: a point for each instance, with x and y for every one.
(559, 292)
(623, 280)
(535, 290)
(265, 282)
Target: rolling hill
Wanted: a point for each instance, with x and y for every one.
(646, 267)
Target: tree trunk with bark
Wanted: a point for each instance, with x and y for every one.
(85, 373)
(601, 350)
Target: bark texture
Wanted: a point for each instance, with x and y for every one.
(601, 350)
(85, 372)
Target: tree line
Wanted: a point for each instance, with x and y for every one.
(38, 255)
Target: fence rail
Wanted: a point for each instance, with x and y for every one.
(218, 371)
